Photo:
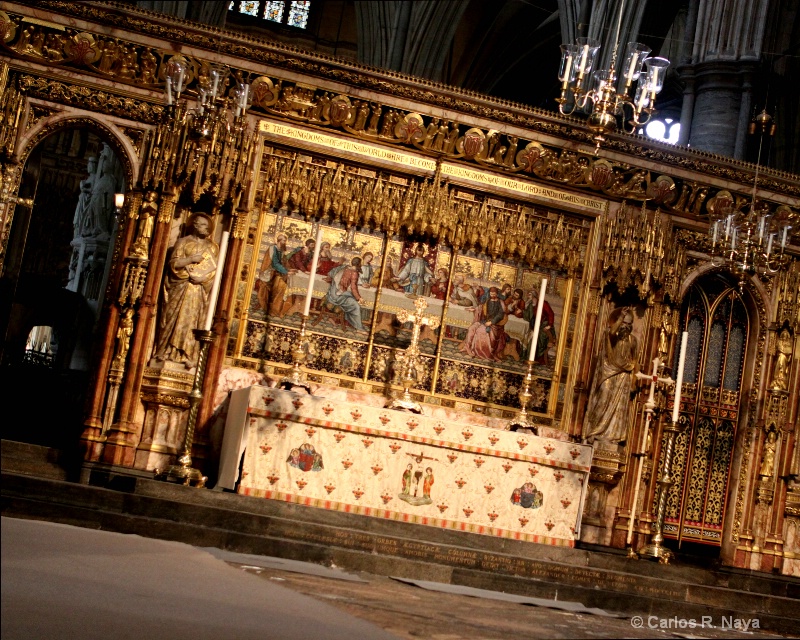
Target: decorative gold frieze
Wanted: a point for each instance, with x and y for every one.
(94, 100)
(129, 62)
(182, 402)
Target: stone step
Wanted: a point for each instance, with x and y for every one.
(33, 460)
(251, 525)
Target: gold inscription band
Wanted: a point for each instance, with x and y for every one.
(519, 186)
(316, 139)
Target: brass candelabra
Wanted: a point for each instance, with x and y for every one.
(520, 421)
(183, 472)
(655, 550)
(297, 378)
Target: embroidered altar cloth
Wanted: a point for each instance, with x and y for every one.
(403, 466)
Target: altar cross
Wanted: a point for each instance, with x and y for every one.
(409, 358)
(649, 409)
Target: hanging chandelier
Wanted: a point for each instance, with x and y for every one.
(751, 241)
(603, 94)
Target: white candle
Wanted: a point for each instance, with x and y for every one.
(681, 361)
(314, 261)
(769, 243)
(179, 88)
(538, 322)
(567, 70)
(761, 222)
(728, 226)
(631, 69)
(714, 240)
(584, 56)
(783, 240)
(212, 298)
(169, 91)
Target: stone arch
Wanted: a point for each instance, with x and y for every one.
(110, 133)
(757, 305)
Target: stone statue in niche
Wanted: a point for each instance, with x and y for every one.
(783, 359)
(614, 376)
(97, 220)
(768, 455)
(187, 284)
(85, 197)
(147, 217)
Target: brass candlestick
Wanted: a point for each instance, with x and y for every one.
(406, 402)
(521, 419)
(655, 549)
(297, 378)
(183, 472)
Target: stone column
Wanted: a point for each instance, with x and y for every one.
(715, 121)
(123, 435)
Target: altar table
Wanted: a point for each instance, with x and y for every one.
(403, 466)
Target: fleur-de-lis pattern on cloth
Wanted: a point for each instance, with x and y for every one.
(371, 460)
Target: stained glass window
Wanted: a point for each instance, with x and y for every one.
(250, 8)
(274, 10)
(298, 14)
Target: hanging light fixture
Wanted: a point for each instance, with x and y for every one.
(599, 92)
(751, 241)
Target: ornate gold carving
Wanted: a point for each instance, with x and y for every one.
(182, 402)
(36, 113)
(429, 207)
(133, 63)
(93, 100)
(634, 249)
(124, 332)
(136, 136)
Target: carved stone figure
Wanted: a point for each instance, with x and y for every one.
(768, 455)
(663, 337)
(123, 338)
(187, 284)
(85, 197)
(607, 412)
(780, 371)
(97, 219)
(147, 217)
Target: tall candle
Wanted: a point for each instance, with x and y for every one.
(634, 60)
(769, 243)
(584, 57)
(314, 261)
(567, 70)
(783, 240)
(212, 298)
(538, 322)
(679, 382)
(714, 241)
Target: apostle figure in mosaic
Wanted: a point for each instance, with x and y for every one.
(609, 403)
(187, 285)
(415, 273)
(273, 277)
(486, 337)
(343, 291)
